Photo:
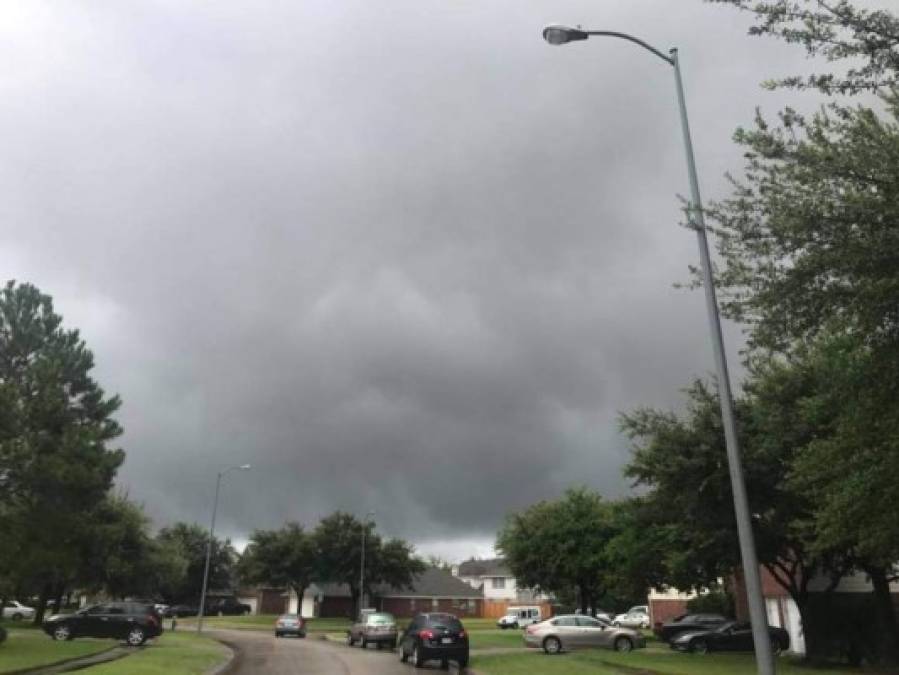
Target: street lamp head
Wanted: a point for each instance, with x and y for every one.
(559, 35)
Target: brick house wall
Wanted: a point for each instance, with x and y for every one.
(664, 609)
(336, 607)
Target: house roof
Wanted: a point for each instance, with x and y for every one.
(492, 567)
(432, 583)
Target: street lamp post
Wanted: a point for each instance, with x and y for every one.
(368, 517)
(558, 35)
(215, 505)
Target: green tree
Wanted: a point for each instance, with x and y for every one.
(682, 461)
(338, 540)
(55, 428)
(189, 540)
(121, 558)
(837, 30)
(556, 546)
(283, 557)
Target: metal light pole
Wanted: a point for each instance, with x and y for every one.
(215, 506)
(558, 35)
(362, 562)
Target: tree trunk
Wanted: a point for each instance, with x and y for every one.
(816, 647)
(886, 613)
(41, 605)
(300, 591)
(60, 591)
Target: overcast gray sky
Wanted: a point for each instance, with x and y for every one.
(402, 256)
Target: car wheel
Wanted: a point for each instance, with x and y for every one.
(552, 645)
(417, 658)
(444, 665)
(777, 647)
(699, 646)
(17, 616)
(624, 644)
(463, 663)
(349, 640)
(62, 632)
(363, 642)
(135, 637)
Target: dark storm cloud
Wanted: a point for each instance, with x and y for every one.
(402, 257)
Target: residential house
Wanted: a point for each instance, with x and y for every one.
(434, 590)
(499, 587)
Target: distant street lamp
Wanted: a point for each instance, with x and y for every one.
(215, 505)
(368, 517)
(559, 35)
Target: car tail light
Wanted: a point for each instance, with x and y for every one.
(426, 634)
(461, 633)
(152, 620)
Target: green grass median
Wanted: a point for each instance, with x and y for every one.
(29, 648)
(171, 654)
(644, 662)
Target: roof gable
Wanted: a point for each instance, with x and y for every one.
(492, 567)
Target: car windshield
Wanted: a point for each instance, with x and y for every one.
(379, 619)
(288, 617)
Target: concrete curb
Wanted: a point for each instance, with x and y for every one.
(227, 665)
(114, 653)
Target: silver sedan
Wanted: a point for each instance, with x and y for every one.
(576, 631)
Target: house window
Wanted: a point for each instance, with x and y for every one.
(498, 582)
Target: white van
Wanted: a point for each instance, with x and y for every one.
(516, 617)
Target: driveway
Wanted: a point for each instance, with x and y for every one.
(260, 653)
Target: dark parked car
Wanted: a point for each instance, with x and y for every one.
(290, 624)
(434, 637)
(730, 637)
(226, 607)
(686, 622)
(373, 627)
(181, 611)
(133, 622)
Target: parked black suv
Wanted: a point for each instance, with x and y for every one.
(434, 637)
(130, 621)
(181, 611)
(226, 607)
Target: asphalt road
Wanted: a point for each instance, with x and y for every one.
(261, 653)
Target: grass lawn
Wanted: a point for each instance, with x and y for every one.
(25, 648)
(172, 654)
(493, 637)
(645, 661)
